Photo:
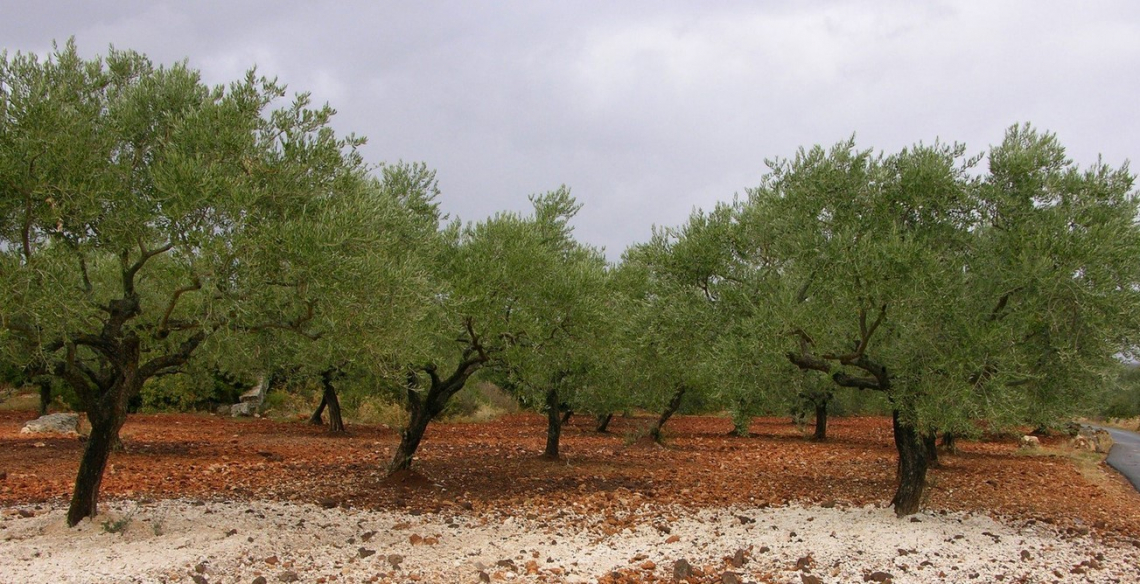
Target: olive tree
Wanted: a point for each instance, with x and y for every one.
(961, 295)
(147, 215)
(559, 353)
(508, 297)
(668, 327)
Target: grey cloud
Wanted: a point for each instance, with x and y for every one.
(646, 109)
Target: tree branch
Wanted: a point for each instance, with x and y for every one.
(295, 326)
(865, 334)
(844, 380)
(129, 272)
(172, 360)
(804, 359)
(163, 325)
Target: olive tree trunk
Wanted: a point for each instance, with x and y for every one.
(912, 465)
(554, 421)
(329, 399)
(423, 407)
(670, 409)
(820, 422)
(603, 422)
(106, 419)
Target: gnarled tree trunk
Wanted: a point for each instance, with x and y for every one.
(553, 424)
(820, 421)
(329, 400)
(422, 409)
(912, 465)
(317, 418)
(930, 444)
(603, 422)
(106, 418)
(45, 395)
(670, 409)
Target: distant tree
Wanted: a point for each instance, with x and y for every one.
(507, 298)
(546, 371)
(667, 330)
(149, 216)
(1121, 397)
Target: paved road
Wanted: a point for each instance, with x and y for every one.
(1125, 454)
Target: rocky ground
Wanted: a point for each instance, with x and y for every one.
(207, 499)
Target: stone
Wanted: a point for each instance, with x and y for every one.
(738, 559)
(1030, 442)
(365, 552)
(729, 578)
(804, 564)
(199, 579)
(260, 580)
(682, 570)
(809, 579)
(1093, 439)
(882, 577)
(288, 576)
(1102, 441)
(65, 424)
(244, 409)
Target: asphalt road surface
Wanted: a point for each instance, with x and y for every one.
(1125, 454)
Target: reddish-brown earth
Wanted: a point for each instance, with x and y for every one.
(495, 466)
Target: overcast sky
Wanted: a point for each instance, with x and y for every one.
(645, 109)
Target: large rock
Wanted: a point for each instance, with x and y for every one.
(251, 400)
(63, 424)
(1093, 439)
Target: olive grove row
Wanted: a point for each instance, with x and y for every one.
(150, 223)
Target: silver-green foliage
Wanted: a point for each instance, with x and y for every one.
(999, 295)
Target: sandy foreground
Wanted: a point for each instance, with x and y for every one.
(195, 541)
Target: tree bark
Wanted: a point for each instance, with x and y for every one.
(336, 422)
(106, 418)
(670, 409)
(603, 424)
(820, 422)
(949, 442)
(45, 395)
(553, 424)
(422, 409)
(911, 466)
(566, 415)
(410, 440)
(316, 418)
(930, 444)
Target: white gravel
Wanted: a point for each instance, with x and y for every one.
(222, 542)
